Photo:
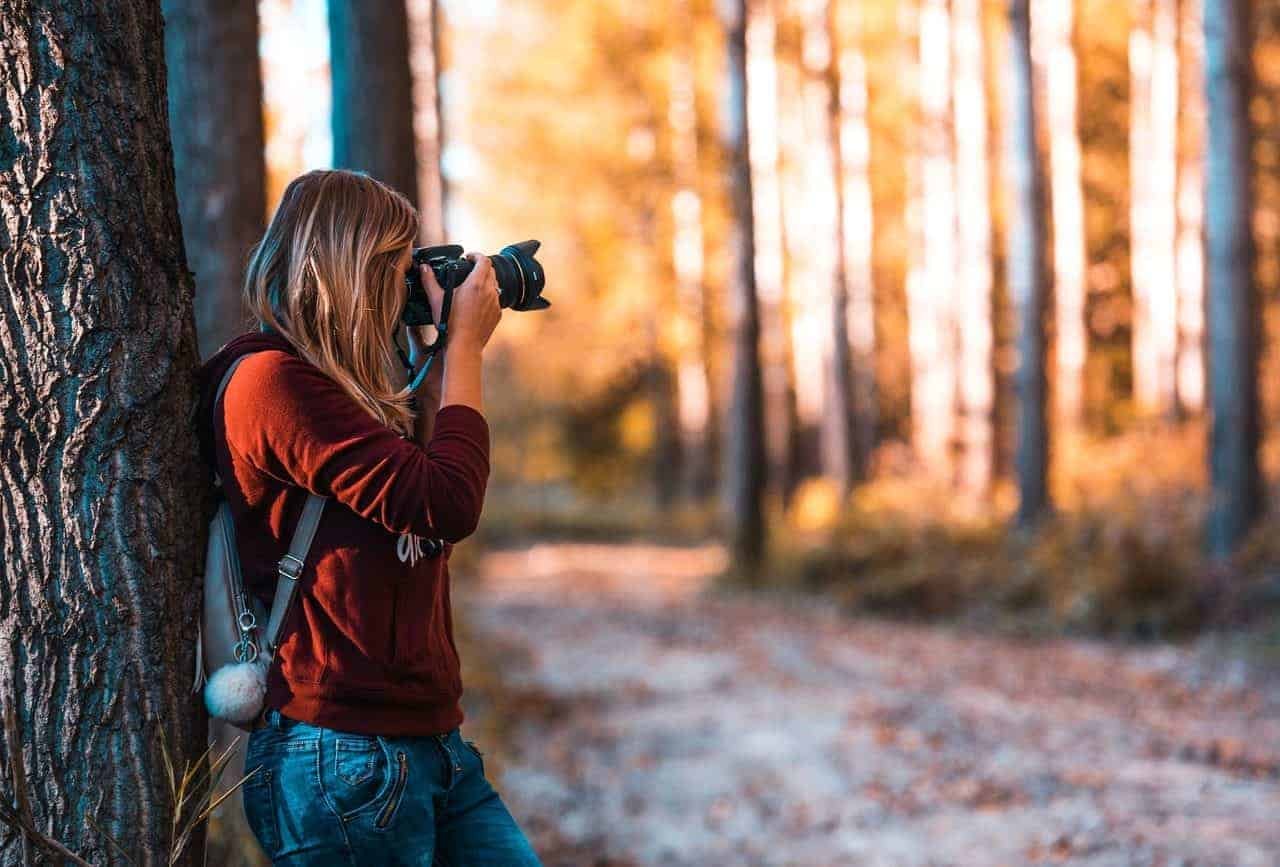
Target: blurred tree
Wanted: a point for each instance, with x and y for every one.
(744, 452)
(1054, 53)
(373, 106)
(973, 279)
(1232, 298)
(770, 248)
(838, 78)
(104, 507)
(1153, 64)
(689, 314)
(930, 295)
(1190, 204)
(426, 59)
(1027, 274)
(215, 114)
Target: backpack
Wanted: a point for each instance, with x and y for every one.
(237, 639)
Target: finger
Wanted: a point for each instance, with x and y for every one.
(435, 294)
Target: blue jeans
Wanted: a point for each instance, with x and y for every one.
(322, 797)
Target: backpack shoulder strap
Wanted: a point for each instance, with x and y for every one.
(289, 569)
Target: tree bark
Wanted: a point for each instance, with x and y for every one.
(372, 91)
(426, 59)
(744, 454)
(930, 295)
(1153, 64)
(1027, 275)
(215, 114)
(103, 509)
(1054, 52)
(973, 287)
(1232, 297)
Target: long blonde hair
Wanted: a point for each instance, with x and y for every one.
(326, 276)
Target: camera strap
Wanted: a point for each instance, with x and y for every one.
(442, 332)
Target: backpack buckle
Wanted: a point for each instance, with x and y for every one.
(290, 567)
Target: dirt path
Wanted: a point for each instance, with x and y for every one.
(653, 724)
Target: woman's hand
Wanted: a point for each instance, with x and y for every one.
(475, 310)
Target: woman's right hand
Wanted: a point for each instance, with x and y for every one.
(475, 310)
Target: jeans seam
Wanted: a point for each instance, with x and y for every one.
(328, 802)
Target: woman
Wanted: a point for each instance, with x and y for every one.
(359, 754)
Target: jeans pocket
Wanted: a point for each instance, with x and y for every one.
(471, 745)
(354, 772)
(260, 810)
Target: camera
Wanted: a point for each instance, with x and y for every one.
(519, 275)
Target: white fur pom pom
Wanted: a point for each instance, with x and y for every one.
(235, 692)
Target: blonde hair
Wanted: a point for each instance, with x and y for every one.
(326, 276)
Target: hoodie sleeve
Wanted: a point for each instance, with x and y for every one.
(291, 421)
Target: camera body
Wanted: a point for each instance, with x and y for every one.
(520, 279)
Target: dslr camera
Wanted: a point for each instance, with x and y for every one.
(519, 275)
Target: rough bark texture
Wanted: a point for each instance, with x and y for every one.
(1027, 276)
(426, 60)
(373, 91)
(102, 507)
(215, 113)
(1232, 296)
(744, 456)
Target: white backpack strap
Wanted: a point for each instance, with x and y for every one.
(290, 570)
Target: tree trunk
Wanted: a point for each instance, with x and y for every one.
(1053, 44)
(843, 451)
(215, 113)
(1027, 276)
(1190, 253)
(770, 257)
(930, 295)
(103, 508)
(372, 91)
(744, 455)
(1232, 298)
(973, 286)
(1153, 64)
(693, 391)
(425, 62)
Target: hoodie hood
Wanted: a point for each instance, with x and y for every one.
(211, 372)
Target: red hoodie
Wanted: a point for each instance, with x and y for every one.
(368, 646)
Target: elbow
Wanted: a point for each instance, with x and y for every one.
(460, 518)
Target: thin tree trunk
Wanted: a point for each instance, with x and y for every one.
(1027, 275)
(103, 509)
(693, 392)
(425, 62)
(853, 154)
(1190, 253)
(215, 113)
(822, 56)
(770, 262)
(744, 454)
(1153, 64)
(1054, 52)
(930, 301)
(973, 286)
(372, 91)
(1232, 296)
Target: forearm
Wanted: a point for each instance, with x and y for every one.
(463, 382)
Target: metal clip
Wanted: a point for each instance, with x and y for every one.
(290, 567)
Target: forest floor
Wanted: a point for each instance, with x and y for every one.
(632, 714)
